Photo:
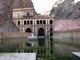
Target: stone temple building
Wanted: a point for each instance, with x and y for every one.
(29, 21)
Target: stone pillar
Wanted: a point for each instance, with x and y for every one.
(36, 31)
(22, 22)
(33, 22)
(46, 31)
(46, 21)
(33, 30)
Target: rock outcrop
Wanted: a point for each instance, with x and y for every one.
(66, 9)
(6, 7)
(22, 3)
(6, 24)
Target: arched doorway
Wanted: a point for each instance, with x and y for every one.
(28, 30)
(41, 41)
(51, 31)
(40, 21)
(44, 22)
(51, 22)
(37, 21)
(41, 32)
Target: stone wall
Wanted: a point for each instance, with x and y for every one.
(14, 35)
(66, 28)
(67, 34)
(9, 38)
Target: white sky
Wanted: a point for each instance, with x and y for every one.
(42, 6)
(76, 1)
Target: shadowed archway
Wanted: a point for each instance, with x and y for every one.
(41, 32)
(41, 41)
(28, 30)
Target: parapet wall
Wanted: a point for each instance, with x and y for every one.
(7, 38)
(67, 34)
(13, 35)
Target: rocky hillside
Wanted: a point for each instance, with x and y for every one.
(22, 3)
(66, 9)
(6, 6)
(6, 24)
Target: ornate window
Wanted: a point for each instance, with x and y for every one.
(24, 22)
(44, 22)
(28, 14)
(27, 22)
(18, 22)
(40, 21)
(31, 22)
(37, 21)
(51, 21)
(28, 30)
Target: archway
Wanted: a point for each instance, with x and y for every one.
(41, 41)
(51, 31)
(28, 30)
(41, 32)
(40, 21)
(31, 22)
(27, 22)
(51, 22)
(24, 22)
(44, 22)
(37, 21)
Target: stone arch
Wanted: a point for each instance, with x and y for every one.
(44, 22)
(18, 22)
(27, 22)
(28, 14)
(40, 21)
(41, 41)
(51, 21)
(31, 22)
(37, 21)
(41, 32)
(51, 31)
(24, 22)
(28, 30)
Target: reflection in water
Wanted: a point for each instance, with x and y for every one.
(46, 48)
(66, 46)
(41, 41)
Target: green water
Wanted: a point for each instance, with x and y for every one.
(51, 49)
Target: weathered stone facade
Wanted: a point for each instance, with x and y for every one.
(39, 25)
(25, 19)
(66, 28)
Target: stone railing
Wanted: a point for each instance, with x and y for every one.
(67, 34)
(13, 35)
